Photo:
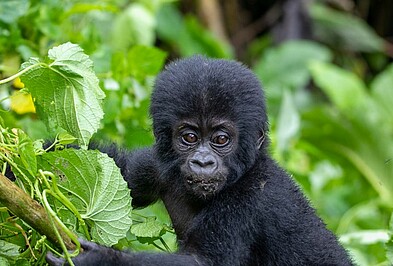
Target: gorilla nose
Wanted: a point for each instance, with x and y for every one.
(203, 164)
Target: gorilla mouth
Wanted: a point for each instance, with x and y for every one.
(205, 186)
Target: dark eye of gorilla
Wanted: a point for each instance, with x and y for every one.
(221, 140)
(189, 138)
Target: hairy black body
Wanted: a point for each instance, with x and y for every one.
(229, 202)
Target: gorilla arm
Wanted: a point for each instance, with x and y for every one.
(94, 254)
(138, 169)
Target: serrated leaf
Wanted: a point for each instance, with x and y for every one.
(151, 228)
(66, 92)
(103, 197)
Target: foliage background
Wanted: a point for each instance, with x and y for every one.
(326, 67)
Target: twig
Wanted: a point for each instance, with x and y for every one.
(30, 211)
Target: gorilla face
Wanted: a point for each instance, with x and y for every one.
(208, 119)
(203, 147)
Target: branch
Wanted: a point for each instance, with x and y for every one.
(212, 15)
(30, 211)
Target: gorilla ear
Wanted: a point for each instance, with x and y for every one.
(261, 139)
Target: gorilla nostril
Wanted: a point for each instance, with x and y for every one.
(202, 163)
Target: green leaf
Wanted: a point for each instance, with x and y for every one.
(135, 25)
(95, 186)
(151, 228)
(26, 152)
(291, 58)
(188, 35)
(365, 237)
(345, 89)
(288, 124)
(66, 92)
(382, 92)
(11, 10)
(144, 61)
(170, 23)
(344, 30)
(389, 244)
(8, 250)
(197, 39)
(65, 138)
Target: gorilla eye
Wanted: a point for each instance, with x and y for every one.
(190, 138)
(221, 140)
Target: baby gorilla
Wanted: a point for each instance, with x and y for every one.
(229, 202)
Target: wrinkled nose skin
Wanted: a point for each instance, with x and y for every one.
(203, 163)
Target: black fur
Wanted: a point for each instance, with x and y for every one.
(259, 217)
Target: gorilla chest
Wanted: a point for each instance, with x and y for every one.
(181, 212)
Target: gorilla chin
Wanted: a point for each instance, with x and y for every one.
(205, 186)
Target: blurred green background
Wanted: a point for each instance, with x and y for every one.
(326, 67)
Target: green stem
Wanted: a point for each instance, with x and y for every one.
(67, 203)
(20, 73)
(165, 244)
(15, 167)
(52, 216)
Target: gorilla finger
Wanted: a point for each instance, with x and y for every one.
(87, 245)
(53, 260)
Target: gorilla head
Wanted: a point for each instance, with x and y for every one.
(209, 120)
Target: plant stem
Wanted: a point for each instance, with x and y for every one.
(20, 73)
(52, 216)
(30, 211)
(64, 200)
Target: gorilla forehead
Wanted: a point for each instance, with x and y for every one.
(207, 88)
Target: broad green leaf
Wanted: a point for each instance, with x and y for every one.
(323, 172)
(355, 139)
(135, 25)
(382, 92)
(11, 10)
(66, 91)
(144, 61)
(286, 66)
(4, 261)
(170, 24)
(345, 89)
(199, 40)
(95, 186)
(188, 36)
(288, 123)
(151, 228)
(8, 250)
(344, 30)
